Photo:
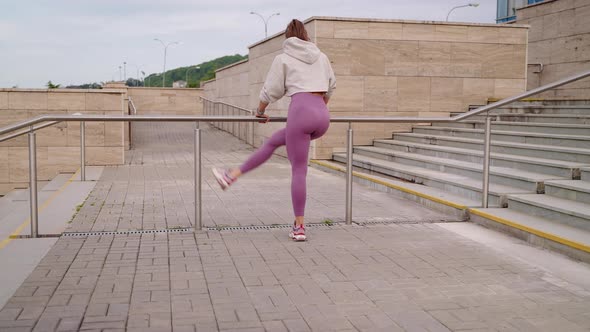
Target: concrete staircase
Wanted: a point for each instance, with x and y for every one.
(539, 176)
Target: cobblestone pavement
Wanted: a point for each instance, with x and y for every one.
(394, 277)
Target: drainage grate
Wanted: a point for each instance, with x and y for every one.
(146, 231)
(376, 221)
(264, 227)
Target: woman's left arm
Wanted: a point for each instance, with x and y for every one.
(274, 85)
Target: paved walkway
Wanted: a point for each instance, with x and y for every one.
(412, 275)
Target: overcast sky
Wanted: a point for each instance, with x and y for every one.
(82, 41)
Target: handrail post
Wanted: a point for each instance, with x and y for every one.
(233, 113)
(82, 151)
(349, 175)
(486, 163)
(33, 184)
(198, 222)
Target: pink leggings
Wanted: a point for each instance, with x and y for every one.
(308, 119)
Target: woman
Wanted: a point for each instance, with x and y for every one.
(304, 73)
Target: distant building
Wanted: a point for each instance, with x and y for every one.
(179, 84)
(114, 85)
(506, 11)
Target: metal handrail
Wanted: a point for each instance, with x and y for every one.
(53, 119)
(132, 105)
(22, 132)
(228, 104)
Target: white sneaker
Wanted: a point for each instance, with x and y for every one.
(223, 178)
(298, 233)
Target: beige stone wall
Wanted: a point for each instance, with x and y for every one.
(168, 101)
(559, 38)
(58, 146)
(392, 68)
(400, 68)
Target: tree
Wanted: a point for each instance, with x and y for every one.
(133, 82)
(50, 85)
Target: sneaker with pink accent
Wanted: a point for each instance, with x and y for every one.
(297, 233)
(223, 178)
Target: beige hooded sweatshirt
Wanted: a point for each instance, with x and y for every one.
(301, 68)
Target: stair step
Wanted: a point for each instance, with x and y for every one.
(554, 128)
(531, 118)
(548, 229)
(518, 178)
(559, 210)
(576, 141)
(543, 109)
(575, 190)
(419, 189)
(533, 150)
(513, 126)
(454, 183)
(8, 200)
(568, 170)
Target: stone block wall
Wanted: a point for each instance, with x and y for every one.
(559, 38)
(168, 101)
(392, 68)
(58, 146)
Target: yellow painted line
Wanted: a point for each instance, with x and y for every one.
(22, 226)
(391, 185)
(536, 232)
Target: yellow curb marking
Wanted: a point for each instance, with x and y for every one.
(20, 228)
(536, 232)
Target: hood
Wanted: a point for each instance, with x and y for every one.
(301, 50)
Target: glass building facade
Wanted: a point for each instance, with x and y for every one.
(506, 11)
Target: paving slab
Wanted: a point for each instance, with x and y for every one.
(407, 275)
(58, 202)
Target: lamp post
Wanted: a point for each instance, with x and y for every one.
(125, 70)
(120, 74)
(188, 70)
(472, 4)
(137, 68)
(265, 21)
(165, 51)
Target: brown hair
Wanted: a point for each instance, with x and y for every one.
(296, 29)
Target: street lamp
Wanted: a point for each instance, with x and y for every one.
(165, 51)
(472, 4)
(265, 21)
(188, 70)
(125, 70)
(137, 68)
(120, 74)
